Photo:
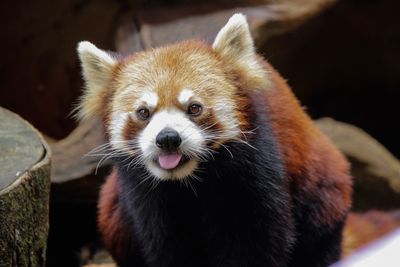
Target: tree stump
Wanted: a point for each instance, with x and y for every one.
(24, 193)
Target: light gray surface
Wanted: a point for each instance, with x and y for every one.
(20, 147)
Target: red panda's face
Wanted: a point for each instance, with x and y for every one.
(171, 107)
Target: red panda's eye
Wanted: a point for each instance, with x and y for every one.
(143, 113)
(195, 109)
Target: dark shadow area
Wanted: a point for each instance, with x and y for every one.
(344, 64)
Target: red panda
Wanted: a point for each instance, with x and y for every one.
(215, 162)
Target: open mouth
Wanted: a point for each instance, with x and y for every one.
(171, 161)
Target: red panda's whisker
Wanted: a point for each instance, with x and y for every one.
(144, 179)
(99, 163)
(187, 182)
(252, 131)
(226, 148)
(100, 147)
(208, 127)
(105, 147)
(199, 154)
(108, 156)
(153, 184)
(135, 162)
(112, 154)
(195, 177)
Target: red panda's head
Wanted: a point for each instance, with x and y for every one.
(168, 108)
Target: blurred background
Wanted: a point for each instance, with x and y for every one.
(341, 58)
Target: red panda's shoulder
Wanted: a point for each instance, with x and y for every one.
(316, 169)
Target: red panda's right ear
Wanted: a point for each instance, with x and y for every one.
(97, 67)
(235, 44)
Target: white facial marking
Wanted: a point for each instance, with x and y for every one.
(225, 113)
(185, 96)
(192, 140)
(117, 124)
(150, 99)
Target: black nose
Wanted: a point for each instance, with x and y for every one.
(168, 139)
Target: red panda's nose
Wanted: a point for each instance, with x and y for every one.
(168, 139)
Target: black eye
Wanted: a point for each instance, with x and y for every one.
(194, 109)
(143, 113)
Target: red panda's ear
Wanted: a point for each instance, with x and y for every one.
(97, 67)
(235, 44)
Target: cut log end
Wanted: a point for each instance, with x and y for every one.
(24, 192)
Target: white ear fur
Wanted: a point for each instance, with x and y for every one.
(235, 44)
(97, 66)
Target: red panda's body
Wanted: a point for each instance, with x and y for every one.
(274, 192)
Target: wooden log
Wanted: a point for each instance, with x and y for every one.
(71, 159)
(375, 170)
(24, 192)
(164, 25)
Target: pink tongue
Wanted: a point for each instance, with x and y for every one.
(169, 161)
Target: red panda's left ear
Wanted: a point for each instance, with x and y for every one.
(235, 44)
(97, 67)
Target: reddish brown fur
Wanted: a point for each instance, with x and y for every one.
(109, 221)
(243, 103)
(309, 156)
(131, 129)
